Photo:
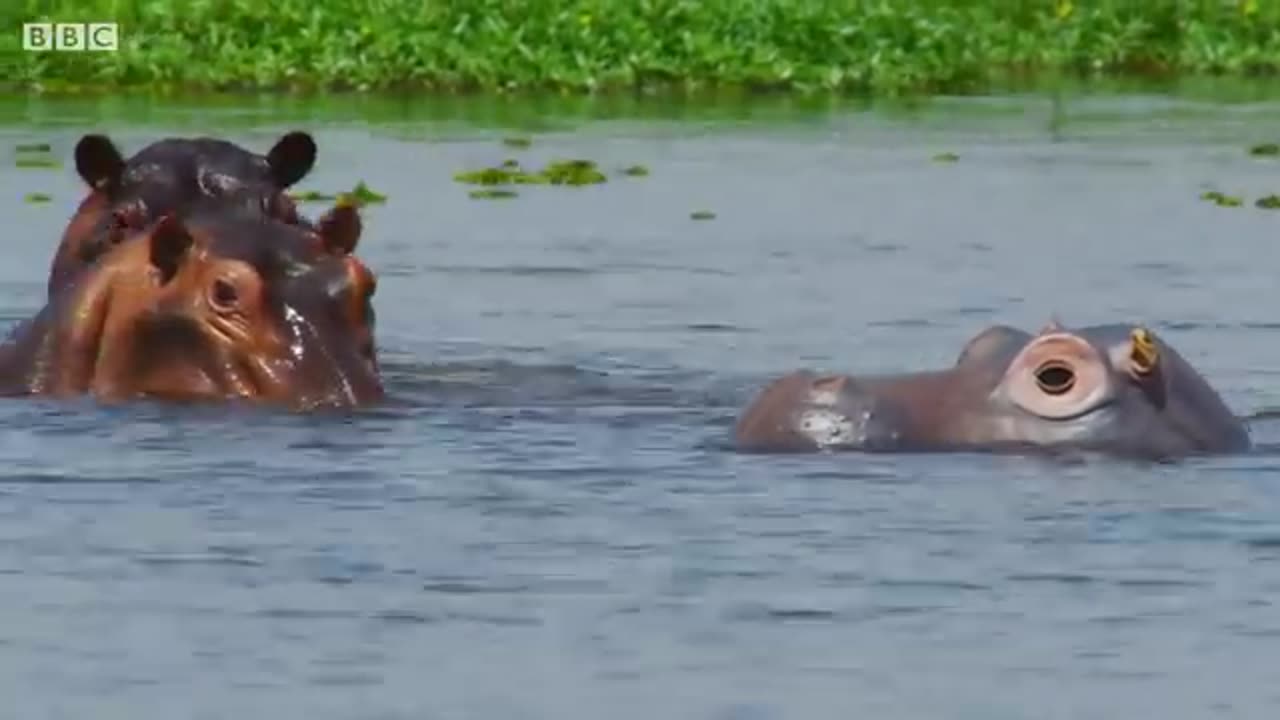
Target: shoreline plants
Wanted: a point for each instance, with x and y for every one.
(881, 47)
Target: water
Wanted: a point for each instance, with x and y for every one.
(545, 522)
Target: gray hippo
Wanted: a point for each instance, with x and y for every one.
(1115, 389)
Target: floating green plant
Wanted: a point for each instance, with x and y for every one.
(313, 196)
(36, 198)
(573, 172)
(488, 176)
(517, 142)
(564, 172)
(527, 178)
(36, 162)
(1221, 200)
(702, 215)
(946, 157)
(492, 194)
(359, 195)
(362, 195)
(34, 148)
(635, 171)
(1269, 202)
(1265, 150)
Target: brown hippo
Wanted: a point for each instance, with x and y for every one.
(1116, 389)
(217, 303)
(164, 177)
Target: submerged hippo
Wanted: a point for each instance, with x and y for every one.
(215, 304)
(165, 177)
(1116, 389)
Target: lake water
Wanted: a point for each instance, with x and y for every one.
(546, 522)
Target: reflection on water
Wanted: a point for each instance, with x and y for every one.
(544, 520)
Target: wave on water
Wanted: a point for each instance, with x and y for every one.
(506, 384)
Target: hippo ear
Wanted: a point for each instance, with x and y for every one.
(170, 242)
(340, 228)
(98, 162)
(291, 158)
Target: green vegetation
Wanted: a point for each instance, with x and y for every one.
(636, 171)
(573, 172)
(877, 46)
(946, 157)
(35, 155)
(702, 215)
(560, 172)
(36, 162)
(360, 195)
(313, 196)
(1265, 150)
(1221, 199)
(1266, 202)
(37, 198)
(492, 194)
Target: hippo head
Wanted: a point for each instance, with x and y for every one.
(221, 303)
(165, 177)
(1102, 387)
(1117, 389)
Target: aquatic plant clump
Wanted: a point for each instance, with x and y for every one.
(35, 156)
(599, 45)
(1221, 199)
(360, 195)
(560, 172)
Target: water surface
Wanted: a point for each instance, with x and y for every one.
(545, 521)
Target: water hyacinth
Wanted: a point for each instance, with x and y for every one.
(560, 172)
(359, 195)
(1221, 199)
(603, 45)
(493, 194)
(30, 163)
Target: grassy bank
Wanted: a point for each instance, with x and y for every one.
(877, 46)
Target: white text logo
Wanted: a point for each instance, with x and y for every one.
(101, 37)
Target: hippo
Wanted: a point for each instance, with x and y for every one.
(165, 176)
(213, 304)
(1114, 389)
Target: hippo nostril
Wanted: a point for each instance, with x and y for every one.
(1055, 378)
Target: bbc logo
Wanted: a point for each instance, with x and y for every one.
(101, 37)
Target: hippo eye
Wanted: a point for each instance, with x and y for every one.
(1055, 378)
(224, 295)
